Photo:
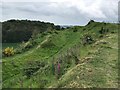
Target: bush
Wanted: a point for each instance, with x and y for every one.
(84, 29)
(101, 36)
(32, 41)
(8, 51)
(103, 30)
(43, 34)
(112, 32)
(75, 29)
(87, 39)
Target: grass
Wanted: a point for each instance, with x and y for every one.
(5, 45)
(99, 71)
(97, 65)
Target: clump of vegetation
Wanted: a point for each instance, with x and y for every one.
(43, 34)
(84, 29)
(44, 82)
(101, 36)
(26, 46)
(32, 67)
(48, 44)
(103, 30)
(65, 61)
(75, 29)
(87, 39)
(8, 51)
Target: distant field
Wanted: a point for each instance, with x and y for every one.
(14, 45)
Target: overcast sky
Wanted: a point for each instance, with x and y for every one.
(65, 12)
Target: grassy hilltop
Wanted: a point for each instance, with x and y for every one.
(88, 57)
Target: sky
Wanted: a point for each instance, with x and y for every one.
(60, 12)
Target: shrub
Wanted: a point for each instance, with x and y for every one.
(84, 29)
(50, 31)
(75, 29)
(107, 30)
(8, 51)
(112, 32)
(87, 39)
(32, 41)
(104, 23)
(43, 34)
(100, 36)
(103, 30)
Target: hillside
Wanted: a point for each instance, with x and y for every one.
(14, 31)
(87, 56)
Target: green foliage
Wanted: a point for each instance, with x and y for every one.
(84, 29)
(43, 34)
(48, 44)
(87, 39)
(75, 29)
(24, 46)
(32, 67)
(103, 30)
(22, 30)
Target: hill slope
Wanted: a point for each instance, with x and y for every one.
(87, 57)
(14, 31)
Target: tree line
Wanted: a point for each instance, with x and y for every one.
(14, 31)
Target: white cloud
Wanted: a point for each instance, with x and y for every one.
(62, 11)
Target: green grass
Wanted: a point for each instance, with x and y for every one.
(97, 66)
(5, 45)
(99, 71)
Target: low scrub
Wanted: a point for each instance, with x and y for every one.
(24, 46)
(103, 30)
(87, 39)
(48, 44)
(32, 67)
(75, 29)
